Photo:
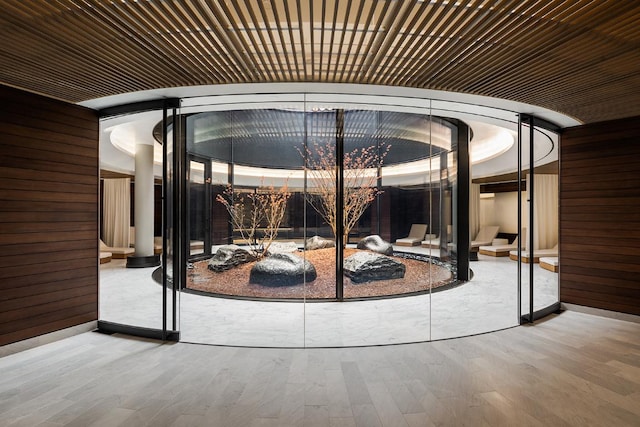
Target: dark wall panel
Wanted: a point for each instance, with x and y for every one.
(600, 215)
(48, 215)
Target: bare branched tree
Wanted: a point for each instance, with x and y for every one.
(249, 212)
(360, 176)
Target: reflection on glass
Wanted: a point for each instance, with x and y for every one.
(272, 182)
(320, 202)
(169, 256)
(489, 300)
(539, 267)
(269, 185)
(545, 243)
(256, 219)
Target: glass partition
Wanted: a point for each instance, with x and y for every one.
(305, 220)
(546, 214)
(540, 258)
(249, 284)
(386, 217)
(489, 299)
(361, 194)
(173, 256)
(131, 296)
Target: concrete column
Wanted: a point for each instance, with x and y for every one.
(143, 209)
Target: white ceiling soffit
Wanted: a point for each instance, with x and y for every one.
(439, 101)
(484, 115)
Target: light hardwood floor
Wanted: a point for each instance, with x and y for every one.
(571, 369)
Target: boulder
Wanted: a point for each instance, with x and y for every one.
(282, 269)
(366, 266)
(317, 242)
(375, 243)
(229, 256)
(282, 247)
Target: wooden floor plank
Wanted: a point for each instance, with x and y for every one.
(569, 369)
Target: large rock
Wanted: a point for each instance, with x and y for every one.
(282, 247)
(282, 269)
(229, 256)
(366, 266)
(375, 243)
(317, 242)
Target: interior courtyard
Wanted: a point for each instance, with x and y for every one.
(332, 213)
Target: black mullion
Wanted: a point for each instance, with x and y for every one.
(462, 220)
(379, 179)
(208, 206)
(339, 203)
(179, 156)
(165, 224)
(519, 249)
(531, 213)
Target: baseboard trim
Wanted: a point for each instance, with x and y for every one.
(137, 331)
(30, 343)
(601, 312)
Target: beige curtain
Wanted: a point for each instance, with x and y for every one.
(545, 211)
(474, 210)
(116, 207)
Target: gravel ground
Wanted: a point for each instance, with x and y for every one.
(235, 282)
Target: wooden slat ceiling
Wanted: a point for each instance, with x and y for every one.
(578, 57)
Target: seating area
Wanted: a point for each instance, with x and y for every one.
(485, 236)
(537, 253)
(117, 253)
(105, 257)
(415, 237)
(550, 263)
(431, 241)
(503, 250)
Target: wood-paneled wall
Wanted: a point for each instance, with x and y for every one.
(600, 215)
(48, 215)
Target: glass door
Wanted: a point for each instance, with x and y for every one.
(172, 213)
(142, 299)
(522, 253)
(370, 193)
(247, 273)
(538, 218)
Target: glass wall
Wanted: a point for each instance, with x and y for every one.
(298, 220)
(131, 292)
(540, 256)
(355, 198)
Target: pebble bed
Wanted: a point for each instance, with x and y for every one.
(420, 276)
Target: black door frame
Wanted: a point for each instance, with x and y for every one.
(532, 122)
(207, 205)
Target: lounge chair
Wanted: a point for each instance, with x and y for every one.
(553, 252)
(431, 241)
(503, 250)
(485, 236)
(117, 253)
(415, 237)
(549, 263)
(105, 257)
